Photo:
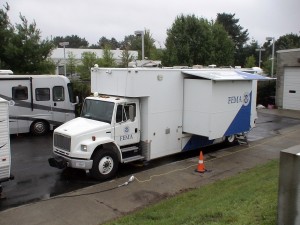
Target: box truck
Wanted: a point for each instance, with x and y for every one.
(143, 114)
(37, 103)
(5, 153)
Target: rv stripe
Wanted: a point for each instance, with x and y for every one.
(37, 106)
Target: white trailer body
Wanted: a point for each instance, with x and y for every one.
(5, 153)
(173, 110)
(37, 103)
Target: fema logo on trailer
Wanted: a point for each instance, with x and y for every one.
(126, 129)
(246, 98)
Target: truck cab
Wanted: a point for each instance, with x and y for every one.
(106, 133)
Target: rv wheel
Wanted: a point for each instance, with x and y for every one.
(39, 128)
(105, 165)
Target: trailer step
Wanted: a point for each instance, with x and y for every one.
(129, 149)
(133, 158)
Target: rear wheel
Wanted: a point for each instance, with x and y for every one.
(105, 165)
(231, 140)
(39, 127)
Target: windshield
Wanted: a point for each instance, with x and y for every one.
(97, 110)
(71, 94)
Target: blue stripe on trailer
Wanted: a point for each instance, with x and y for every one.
(241, 122)
(197, 142)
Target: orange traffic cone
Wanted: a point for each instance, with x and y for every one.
(201, 166)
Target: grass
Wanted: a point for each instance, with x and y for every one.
(248, 198)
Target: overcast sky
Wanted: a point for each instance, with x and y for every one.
(92, 19)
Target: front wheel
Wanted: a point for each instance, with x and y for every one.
(105, 165)
(39, 128)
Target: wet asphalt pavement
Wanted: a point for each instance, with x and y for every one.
(36, 180)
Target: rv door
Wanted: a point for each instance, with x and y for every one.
(60, 114)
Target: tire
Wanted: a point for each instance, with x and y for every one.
(39, 128)
(231, 140)
(105, 165)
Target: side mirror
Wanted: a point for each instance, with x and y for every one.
(77, 101)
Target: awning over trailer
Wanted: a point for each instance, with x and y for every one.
(225, 75)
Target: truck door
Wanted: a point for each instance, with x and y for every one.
(126, 130)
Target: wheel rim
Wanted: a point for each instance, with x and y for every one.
(106, 165)
(39, 127)
(231, 138)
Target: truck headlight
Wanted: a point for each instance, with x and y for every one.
(84, 148)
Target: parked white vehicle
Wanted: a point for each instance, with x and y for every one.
(5, 154)
(37, 103)
(143, 114)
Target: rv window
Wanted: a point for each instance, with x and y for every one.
(58, 93)
(71, 93)
(20, 93)
(42, 94)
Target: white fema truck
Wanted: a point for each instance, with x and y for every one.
(5, 154)
(37, 103)
(143, 114)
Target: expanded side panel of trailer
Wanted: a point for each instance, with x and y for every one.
(5, 154)
(220, 103)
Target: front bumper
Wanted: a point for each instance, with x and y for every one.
(62, 162)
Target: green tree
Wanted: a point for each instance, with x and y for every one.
(26, 53)
(131, 42)
(267, 66)
(149, 47)
(71, 63)
(288, 41)
(22, 50)
(248, 50)
(74, 41)
(6, 34)
(250, 62)
(223, 47)
(135, 43)
(107, 59)
(189, 42)
(193, 40)
(88, 59)
(82, 89)
(126, 57)
(94, 46)
(112, 43)
(236, 32)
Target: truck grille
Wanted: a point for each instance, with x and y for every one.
(62, 142)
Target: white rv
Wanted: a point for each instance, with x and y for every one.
(5, 154)
(37, 103)
(143, 114)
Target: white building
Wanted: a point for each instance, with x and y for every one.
(288, 79)
(60, 57)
